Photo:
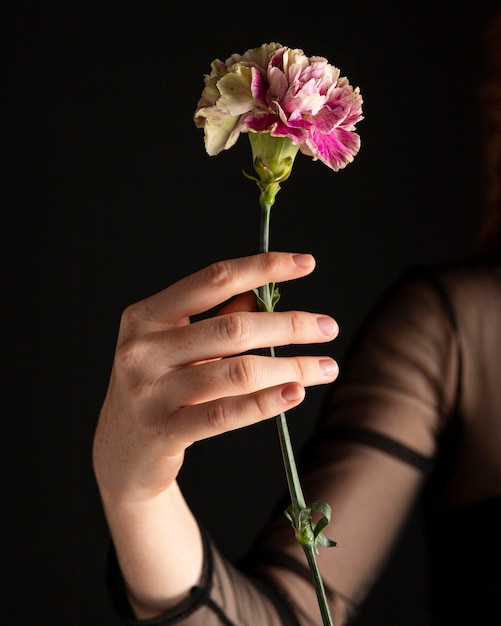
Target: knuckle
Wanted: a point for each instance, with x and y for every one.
(301, 370)
(219, 416)
(242, 372)
(262, 406)
(129, 315)
(129, 360)
(296, 322)
(271, 261)
(136, 313)
(234, 329)
(217, 274)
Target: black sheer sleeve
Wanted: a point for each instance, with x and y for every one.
(224, 596)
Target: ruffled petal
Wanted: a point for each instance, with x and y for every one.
(336, 149)
(220, 130)
(235, 88)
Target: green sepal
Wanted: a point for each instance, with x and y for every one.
(269, 177)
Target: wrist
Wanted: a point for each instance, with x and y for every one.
(158, 546)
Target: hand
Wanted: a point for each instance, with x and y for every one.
(174, 382)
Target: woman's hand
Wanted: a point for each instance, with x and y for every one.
(174, 382)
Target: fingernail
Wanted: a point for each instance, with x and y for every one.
(303, 260)
(327, 325)
(292, 393)
(328, 366)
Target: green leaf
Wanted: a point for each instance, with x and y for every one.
(306, 531)
(273, 298)
(261, 304)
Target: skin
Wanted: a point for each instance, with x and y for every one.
(173, 383)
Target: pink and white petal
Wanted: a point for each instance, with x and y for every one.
(315, 72)
(259, 122)
(355, 113)
(296, 135)
(328, 119)
(277, 85)
(340, 97)
(258, 87)
(294, 62)
(336, 149)
(308, 103)
(277, 58)
(296, 120)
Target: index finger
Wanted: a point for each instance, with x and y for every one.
(220, 281)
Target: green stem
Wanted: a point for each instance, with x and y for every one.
(292, 475)
(309, 550)
(265, 228)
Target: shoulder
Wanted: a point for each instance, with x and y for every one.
(467, 289)
(423, 314)
(455, 287)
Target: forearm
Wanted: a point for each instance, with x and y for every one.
(158, 547)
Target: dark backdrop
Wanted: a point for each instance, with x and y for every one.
(110, 196)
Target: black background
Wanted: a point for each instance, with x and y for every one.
(109, 197)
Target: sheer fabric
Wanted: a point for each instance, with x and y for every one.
(224, 596)
(415, 412)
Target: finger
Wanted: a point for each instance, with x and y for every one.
(245, 302)
(244, 375)
(195, 423)
(235, 333)
(219, 282)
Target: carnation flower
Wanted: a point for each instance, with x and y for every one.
(287, 103)
(278, 90)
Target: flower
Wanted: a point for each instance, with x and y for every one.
(278, 90)
(287, 103)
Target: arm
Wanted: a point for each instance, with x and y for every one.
(174, 383)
